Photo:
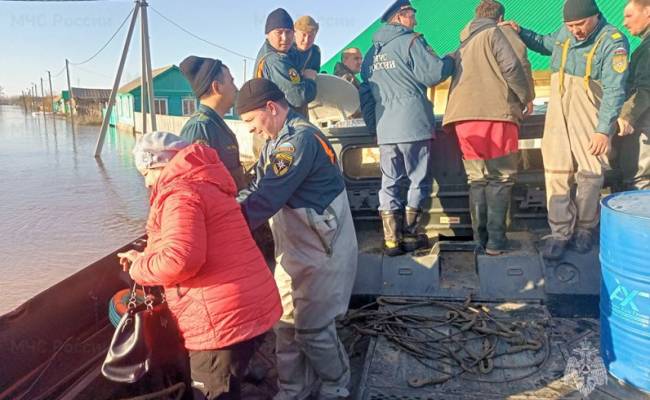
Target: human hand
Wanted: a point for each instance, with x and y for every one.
(127, 258)
(624, 127)
(599, 144)
(511, 24)
(529, 109)
(309, 74)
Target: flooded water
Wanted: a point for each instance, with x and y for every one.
(60, 207)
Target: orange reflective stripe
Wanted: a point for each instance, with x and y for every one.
(260, 69)
(327, 149)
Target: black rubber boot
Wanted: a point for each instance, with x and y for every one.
(478, 212)
(554, 248)
(414, 238)
(392, 221)
(497, 195)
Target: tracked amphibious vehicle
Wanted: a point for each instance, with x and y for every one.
(447, 322)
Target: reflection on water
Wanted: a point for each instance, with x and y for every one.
(60, 207)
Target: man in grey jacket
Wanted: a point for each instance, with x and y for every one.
(397, 71)
(485, 115)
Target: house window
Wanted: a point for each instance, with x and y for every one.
(160, 105)
(189, 106)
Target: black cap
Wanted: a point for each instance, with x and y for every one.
(256, 93)
(575, 10)
(399, 5)
(278, 19)
(200, 72)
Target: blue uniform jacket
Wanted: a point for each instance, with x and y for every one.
(609, 66)
(309, 59)
(297, 169)
(281, 69)
(396, 73)
(207, 127)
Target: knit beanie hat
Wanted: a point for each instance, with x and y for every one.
(256, 93)
(306, 24)
(278, 19)
(156, 149)
(575, 10)
(200, 72)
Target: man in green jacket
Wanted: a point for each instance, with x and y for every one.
(589, 69)
(634, 121)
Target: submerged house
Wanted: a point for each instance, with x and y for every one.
(172, 97)
(88, 102)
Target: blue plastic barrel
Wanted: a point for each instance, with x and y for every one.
(625, 287)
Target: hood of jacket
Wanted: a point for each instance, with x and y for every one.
(195, 163)
(389, 32)
(476, 25)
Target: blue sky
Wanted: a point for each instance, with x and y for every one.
(38, 36)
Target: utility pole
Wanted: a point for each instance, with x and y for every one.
(49, 76)
(116, 83)
(71, 97)
(24, 101)
(42, 97)
(144, 20)
(144, 80)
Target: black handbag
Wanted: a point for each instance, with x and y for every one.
(146, 338)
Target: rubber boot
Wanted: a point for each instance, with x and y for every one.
(414, 239)
(497, 195)
(392, 221)
(478, 212)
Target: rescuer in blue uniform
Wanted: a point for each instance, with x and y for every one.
(277, 61)
(214, 86)
(396, 73)
(299, 187)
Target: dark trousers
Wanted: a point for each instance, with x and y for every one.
(217, 374)
(491, 183)
(633, 159)
(404, 162)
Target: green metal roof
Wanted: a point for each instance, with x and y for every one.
(441, 26)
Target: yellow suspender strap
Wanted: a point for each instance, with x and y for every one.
(327, 149)
(565, 55)
(260, 68)
(590, 60)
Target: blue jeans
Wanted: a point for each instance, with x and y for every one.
(401, 162)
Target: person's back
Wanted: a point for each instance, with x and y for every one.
(200, 249)
(489, 92)
(487, 60)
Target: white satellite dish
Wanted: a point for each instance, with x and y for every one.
(336, 100)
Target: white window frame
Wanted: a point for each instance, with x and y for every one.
(194, 102)
(157, 107)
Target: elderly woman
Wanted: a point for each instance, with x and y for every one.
(200, 250)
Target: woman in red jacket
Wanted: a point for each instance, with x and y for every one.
(200, 250)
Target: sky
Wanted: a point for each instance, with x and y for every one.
(37, 36)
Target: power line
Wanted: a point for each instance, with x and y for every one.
(107, 43)
(198, 37)
(58, 73)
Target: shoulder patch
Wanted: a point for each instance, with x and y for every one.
(285, 148)
(281, 163)
(617, 35)
(619, 60)
(294, 76)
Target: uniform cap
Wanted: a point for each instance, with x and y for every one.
(256, 93)
(200, 72)
(575, 10)
(278, 19)
(399, 5)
